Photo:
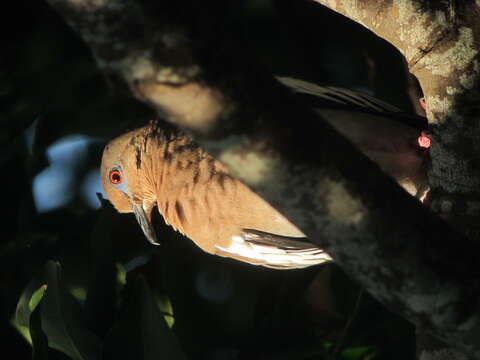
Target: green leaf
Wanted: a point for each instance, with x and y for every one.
(166, 308)
(121, 274)
(62, 319)
(141, 332)
(39, 339)
(22, 330)
(24, 309)
(36, 297)
(28, 318)
(356, 353)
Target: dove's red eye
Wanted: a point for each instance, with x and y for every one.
(115, 177)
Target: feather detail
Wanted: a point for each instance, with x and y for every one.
(334, 98)
(275, 251)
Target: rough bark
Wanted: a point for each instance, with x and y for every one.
(404, 255)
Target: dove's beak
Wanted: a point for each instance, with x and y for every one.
(143, 214)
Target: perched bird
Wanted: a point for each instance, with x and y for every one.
(164, 168)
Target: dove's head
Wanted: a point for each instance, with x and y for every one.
(125, 179)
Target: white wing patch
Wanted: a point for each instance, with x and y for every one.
(290, 254)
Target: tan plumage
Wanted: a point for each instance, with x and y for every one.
(196, 195)
(193, 192)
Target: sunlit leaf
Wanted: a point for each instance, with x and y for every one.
(167, 310)
(62, 320)
(36, 297)
(25, 303)
(27, 320)
(22, 330)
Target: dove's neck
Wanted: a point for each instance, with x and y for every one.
(181, 174)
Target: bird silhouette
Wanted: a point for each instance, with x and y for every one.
(162, 167)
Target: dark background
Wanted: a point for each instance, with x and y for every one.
(57, 110)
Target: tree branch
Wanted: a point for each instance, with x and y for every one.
(406, 257)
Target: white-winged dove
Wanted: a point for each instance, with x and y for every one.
(150, 167)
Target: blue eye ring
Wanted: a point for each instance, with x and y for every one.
(115, 176)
